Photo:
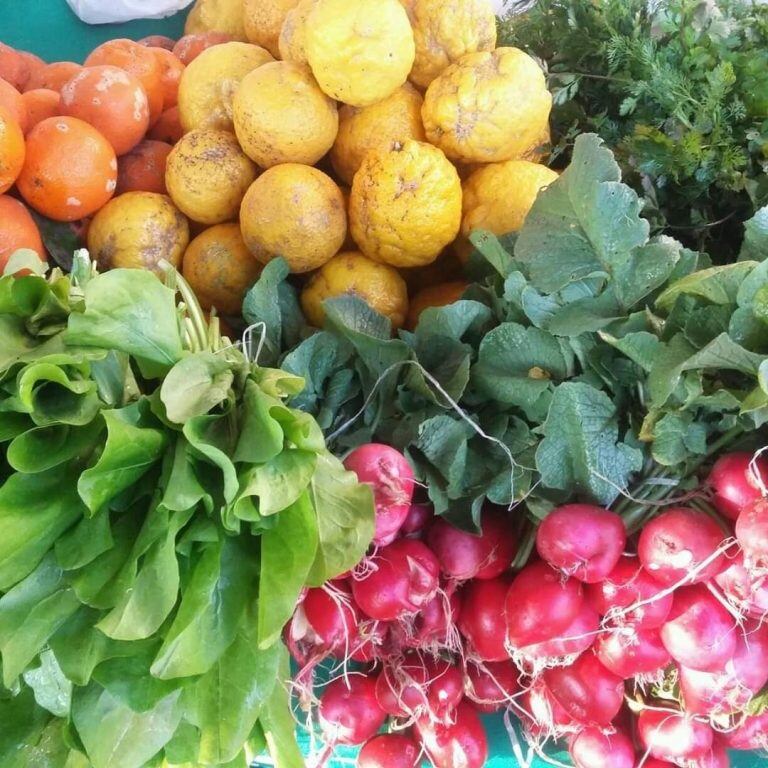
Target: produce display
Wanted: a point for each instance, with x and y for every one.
(380, 375)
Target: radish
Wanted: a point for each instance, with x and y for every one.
(582, 541)
(752, 534)
(329, 613)
(418, 518)
(632, 652)
(397, 696)
(491, 685)
(481, 619)
(678, 541)
(628, 583)
(699, 633)
(433, 626)
(716, 757)
(540, 605)
(750, 733)
(389, 750)
(745, 588)
(734, 483)
(402, 578)
(371, 641)
(673, 736)
(349, 712)
(461, 744)
(548, 717)
(464, 555)
(594, 749)
(391, 477)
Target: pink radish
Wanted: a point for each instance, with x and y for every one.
(481, 619)
(391, 477)
(745, 589)
(418, 518)
(582, 541)
(673, 736)
(540, 605)
(752, 534)
(628, 583)
(750, 733)
(594, 749)
(389, 750)
(632, 652)
(461, 744)
(577, 637)
(734, 483)
(699, 633)
(491, 685)
(586, 690)
(678, 541)
(434, 623)
(349, 712)
(402, 578)
(717, 757)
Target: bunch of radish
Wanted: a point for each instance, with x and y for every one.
(645, 652)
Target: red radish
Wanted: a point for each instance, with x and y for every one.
(627, 584)
(349, 712)
(752, 534)
(577, 637)
(445, 687)
(678, 541)
(746, 589)
(582, 541)
(735, 484)
(652, 762)
(389, 750)
(481, 619)
(461, 744)
(594, 749)
(548, 714)
(717, 757)
(750, 733)
(673, 736)
(391, 477)
(491, 685)
(700, 633)
(371, 641)
(329, 613)
(540, 605)
(399, 696)
(403, 578)
(632, 652)
(418, 518)
(588, 692)
(464, 555)
(434, 623)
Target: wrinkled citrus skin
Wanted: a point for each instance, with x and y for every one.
(379, 126)
(293, 34)
(137, 230)
(405, 205)
(216, 16)
(207, 175)
(439, 295)
(220, 268)
(352, 274)
(360, 51)
(446, 30)
(264, 20)
(209, 84)
(296, 212)
(488, 107)
(282, 116)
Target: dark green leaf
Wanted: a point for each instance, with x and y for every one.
(755, 245)
(717, 285)
(46, 447)
(81, 545)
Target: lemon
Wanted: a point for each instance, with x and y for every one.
(293, 34)
(216, 16)
(263, 21)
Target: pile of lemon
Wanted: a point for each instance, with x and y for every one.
(361, 140)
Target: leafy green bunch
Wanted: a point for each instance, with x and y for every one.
(679, 88)
(588, 356)
(161, 507)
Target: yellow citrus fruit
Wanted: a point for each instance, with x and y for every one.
(210, 82)
(405, 205)
(216, 16)
(291, 42)
(207, 175)
(360, 51)
(439, 295)
(296, 212)
(137, 230)
(352, 274)
(282, 116)
(542, 148)
(395, 119)
(264, 20)
(498, 197)
(220, 268)
(445, 30)
(488, 107)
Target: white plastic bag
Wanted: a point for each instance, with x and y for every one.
(117, 11)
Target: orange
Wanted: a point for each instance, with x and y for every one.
(70, 171)
(220, 268)
(13, 67)
(12, 150)
(111, 100)
(439, 295)
(41, 103)
(18, 230)
(190, 47)
(140, 62)
(172, 70)
(35, 64)
(143, 168)
(157, 41)
(11, 99)
(53, 76)
(168, 127)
